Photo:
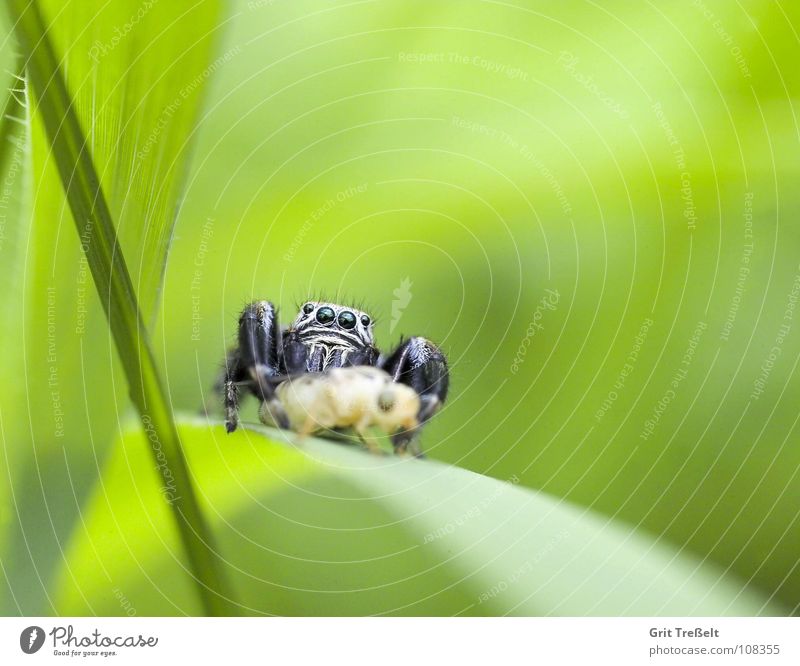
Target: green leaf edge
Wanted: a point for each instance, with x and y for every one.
(519, 551)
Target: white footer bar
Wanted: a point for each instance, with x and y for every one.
(400, 641)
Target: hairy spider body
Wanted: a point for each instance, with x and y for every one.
(324, 338)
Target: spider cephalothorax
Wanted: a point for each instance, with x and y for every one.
(331, 333)
(294, 372)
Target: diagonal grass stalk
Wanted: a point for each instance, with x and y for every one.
(110, 273)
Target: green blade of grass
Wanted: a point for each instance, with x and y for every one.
(95, 227)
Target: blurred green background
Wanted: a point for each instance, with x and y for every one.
(595, 206)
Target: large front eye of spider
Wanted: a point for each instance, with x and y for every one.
(325, 316)
(347, 320)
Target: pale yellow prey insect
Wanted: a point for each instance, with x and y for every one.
(361, 398)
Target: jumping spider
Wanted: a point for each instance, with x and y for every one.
(302, 371)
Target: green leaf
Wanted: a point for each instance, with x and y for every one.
(15, 214)
(321, 528)
(137, 71)
(124, 129)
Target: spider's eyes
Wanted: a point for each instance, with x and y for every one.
(308, 308)
(325, 316)
(365, 320)
(347, 320)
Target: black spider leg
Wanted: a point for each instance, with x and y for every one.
(366, 356)
(294, 354)
(255, 364)
(219, 388)
(420, 364)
